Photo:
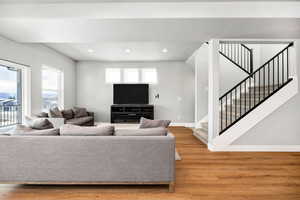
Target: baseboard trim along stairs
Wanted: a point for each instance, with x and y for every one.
(254, 148)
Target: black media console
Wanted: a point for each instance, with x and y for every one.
(130, 113)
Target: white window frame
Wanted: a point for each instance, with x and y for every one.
(26, 85)
(113, 81)
(125, 70)
(60, 85)
(143, 76)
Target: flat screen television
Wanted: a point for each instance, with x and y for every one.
(131, 94)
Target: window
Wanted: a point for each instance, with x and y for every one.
(112, 75)
(131, 75)
(52, 88)
(149, 75)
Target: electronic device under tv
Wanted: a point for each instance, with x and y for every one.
(131, 94)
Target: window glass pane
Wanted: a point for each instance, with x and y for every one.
(50, 99)
(149, 75)
(50, 79)
(52, 88)
(112, 75)
(131, 75)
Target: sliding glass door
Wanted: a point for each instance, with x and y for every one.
(10, 96)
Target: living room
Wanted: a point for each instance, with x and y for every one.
(117, 63)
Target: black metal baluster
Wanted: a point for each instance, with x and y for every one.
(287, 63)
(240, 100)
(268, 78)
(282, 55)
(259, 84)
(278, 71)
(238, 54)
(226, 112)
(264, 90)
(250, 93)
(254, 101)
(245, 97)
(244, 58)
(230, 107)
(221, 114)
(273, 75)
(235, 105)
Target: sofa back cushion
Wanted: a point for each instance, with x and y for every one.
(22, 130)
(159, 131)
(38, 123)
(42, 115)
(148, 123)
(55, 113)
(68, 114)
(74, 130)
(80, 112)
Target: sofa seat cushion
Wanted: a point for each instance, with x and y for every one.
(159, 131)
(22, 130)
(74, 130)
(79, 121)
(148, 123)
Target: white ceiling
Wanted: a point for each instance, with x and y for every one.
(139, 51)
(100, 1)
(145, 37)
(181, 30)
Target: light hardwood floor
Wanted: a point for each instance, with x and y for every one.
(200, 175)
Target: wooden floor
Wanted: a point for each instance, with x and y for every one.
(200, 175)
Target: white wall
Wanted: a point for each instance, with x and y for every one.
(201, 82)
(175, 87)
(282, 127)
(36, 55)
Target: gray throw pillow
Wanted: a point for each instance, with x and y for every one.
(74, 130)
(22, 130)
(55, 113)
(148, 123)
(38, 123)
(68, 114)
(159, 131)
(80, 112)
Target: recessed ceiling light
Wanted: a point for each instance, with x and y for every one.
(165, 50)
(90, 50)
(127, 50)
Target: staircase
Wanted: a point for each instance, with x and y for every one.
(260, 85)
(256, 88)
(202, 132)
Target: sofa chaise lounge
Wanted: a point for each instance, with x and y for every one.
(88, 160)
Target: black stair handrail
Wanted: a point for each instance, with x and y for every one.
(275, 71)
(239, 54)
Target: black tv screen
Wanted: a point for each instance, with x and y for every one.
(131, 93)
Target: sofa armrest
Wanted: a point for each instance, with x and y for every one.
(91, 114)
(57, 122)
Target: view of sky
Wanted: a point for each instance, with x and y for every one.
(8, 81)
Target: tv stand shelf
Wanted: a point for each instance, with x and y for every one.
(130, 113)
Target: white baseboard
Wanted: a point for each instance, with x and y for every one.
(255, 148)
(188, 125)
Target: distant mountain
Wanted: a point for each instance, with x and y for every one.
(4, 95)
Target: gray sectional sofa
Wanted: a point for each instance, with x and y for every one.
(88, 160)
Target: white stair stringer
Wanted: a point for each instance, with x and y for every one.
(256, 115)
